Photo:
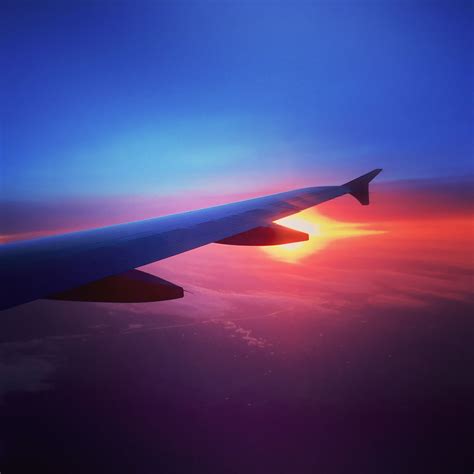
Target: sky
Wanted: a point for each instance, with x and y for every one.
(133, 98)
(349, 352)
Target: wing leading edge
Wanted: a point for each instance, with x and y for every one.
(54, 265)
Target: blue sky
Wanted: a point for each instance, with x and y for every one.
(158, 97)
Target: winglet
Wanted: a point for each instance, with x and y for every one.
(359, 187)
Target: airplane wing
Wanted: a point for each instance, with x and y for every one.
(100, 264)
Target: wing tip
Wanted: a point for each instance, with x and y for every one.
(359, 187)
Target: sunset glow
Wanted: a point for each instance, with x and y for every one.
(321, 229)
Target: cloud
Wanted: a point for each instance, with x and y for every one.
(244, 334)
(22, 371)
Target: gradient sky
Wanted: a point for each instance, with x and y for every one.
(119, 98)
(356, 356)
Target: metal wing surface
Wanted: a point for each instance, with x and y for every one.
(53, 265)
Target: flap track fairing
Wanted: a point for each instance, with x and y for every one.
(273, 234)
(133, 286)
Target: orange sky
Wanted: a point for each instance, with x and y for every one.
(408, 258)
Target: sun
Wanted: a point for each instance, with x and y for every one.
(321, 229)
